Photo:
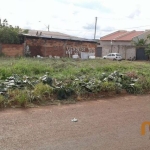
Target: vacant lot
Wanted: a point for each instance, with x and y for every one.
(32, 80)
(67, 68)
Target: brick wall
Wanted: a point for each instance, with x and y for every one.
(55, 47)
(12, 50)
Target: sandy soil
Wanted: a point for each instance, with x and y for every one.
(104, 124)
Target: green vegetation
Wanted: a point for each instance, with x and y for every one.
(144, 44)
(10, 34)
(140, 42)
(23, 80)
(147, 51)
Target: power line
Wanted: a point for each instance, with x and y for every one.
(110, 18)
(103, 29)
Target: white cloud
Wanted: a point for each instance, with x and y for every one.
(73, 16)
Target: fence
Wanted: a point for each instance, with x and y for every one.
(11, 50)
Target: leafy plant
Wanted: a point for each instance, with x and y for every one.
(9, 34)
(71, 78)
(20, 97)
(140, 42)
(147, 51)
(42, 89)
(108, 86)
(63, 92)
(2, 99)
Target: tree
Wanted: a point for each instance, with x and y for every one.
(140, 42)
(25, 31)
(10, 34)
(147, 51)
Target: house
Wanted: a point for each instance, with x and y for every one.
(53, 44)
(122, 42)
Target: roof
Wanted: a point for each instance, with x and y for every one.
(121, 35)
(55, 35)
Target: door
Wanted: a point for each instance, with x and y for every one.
(99, 52)
(140, 54)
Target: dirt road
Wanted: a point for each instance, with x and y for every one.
(105, 124)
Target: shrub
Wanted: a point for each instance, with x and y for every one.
(2, 99)
(143, 84)
(74, 78)
(108, 86)
(20, 97)
(42, 89)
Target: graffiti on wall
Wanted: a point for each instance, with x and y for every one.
(91, 50)
(77, 50)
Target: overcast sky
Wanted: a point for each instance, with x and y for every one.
(77, 17)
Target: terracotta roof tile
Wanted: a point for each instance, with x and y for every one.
(113, 35)
(130, 36)
(121, 35)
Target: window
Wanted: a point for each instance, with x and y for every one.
(118, 55)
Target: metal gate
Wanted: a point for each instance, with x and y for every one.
(140, 54)
(99, 52)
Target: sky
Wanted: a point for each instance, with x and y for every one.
(77, 17)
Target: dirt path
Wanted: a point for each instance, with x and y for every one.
(105, 124)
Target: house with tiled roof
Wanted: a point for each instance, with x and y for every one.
(122, 42)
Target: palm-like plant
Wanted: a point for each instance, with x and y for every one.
(147, 51)
(140, 42)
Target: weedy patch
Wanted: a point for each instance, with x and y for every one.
(20, 97)
(42, 90)
(22, 80)
(23, 90)
(2, 101)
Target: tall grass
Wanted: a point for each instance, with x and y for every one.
(67, 68)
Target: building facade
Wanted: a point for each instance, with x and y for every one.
(123, 42)
(51, 44)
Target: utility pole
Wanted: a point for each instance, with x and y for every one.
(95, 27)
(48, 27)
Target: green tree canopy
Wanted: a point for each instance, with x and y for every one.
(9, 34)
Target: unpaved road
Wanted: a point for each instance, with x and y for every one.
(105, 124)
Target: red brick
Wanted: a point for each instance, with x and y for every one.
(12, 50)
(55, 47)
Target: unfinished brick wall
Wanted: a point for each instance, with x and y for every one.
(55, 47)
(12, 50)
